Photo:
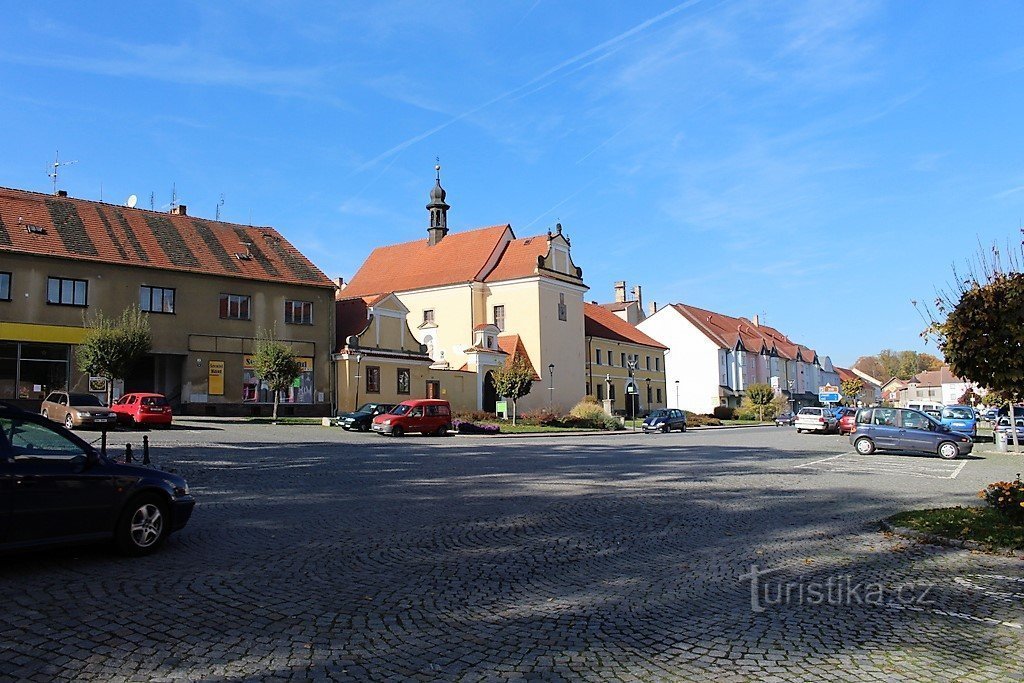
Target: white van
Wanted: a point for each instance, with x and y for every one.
(926, 406)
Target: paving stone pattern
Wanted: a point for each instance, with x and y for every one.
(320, 555)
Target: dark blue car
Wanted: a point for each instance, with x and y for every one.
(902, 429)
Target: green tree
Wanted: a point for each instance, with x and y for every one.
(903, 364)
(852, 388)
(760, 396)
(275, 364)
(979, 326)
(112, 347)
(513, 381)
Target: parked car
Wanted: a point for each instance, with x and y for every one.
(143, 409)
(960, 418)
(361, 418)
(902, 429)
(991, 414)
(59, 490)
(424, 415)
(847, 423)
(77, 410)
(786, 418)
(665, 420)
(1002, 426)
(815, 420)
(925, 406)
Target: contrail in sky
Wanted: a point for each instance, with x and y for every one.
(611, 42)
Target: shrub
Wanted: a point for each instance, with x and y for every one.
(1007, 497)
(693, 420)
(589, 399)
(745, 412)
(543, 418)
(724, 413)
(587, 410)
(474, 416)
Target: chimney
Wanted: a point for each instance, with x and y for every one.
(62, 193)
(620, 291)
(638, 297)
(340, 283)
(652, 308)
(179, 210)
(756, 321)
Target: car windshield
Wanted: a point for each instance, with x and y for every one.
(365, 408)
(84, 400)
(957, 413)
(810, 411)
(658, 413)
(400, 410)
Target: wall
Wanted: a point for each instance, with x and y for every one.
(453, 317)
(597, 374)
(692, 360)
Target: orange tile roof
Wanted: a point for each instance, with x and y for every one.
(844, 374)
(513, 346)
(726, 330)
(459, 257)
(602, 323)
(349, 320)
(519, 259)
(65, 227)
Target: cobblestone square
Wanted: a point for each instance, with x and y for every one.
(315, 554)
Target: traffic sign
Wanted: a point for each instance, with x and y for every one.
(830, 397)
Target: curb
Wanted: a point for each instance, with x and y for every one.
(595, 432)
(935, 539)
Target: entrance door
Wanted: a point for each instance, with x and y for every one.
(433, 388)
(490, 394)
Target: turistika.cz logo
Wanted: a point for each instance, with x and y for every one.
(842, 590)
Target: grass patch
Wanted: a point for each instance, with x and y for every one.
(981, 524)
(742, 422)
(283, 420)
(509, 428)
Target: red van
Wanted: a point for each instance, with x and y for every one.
(423, 415)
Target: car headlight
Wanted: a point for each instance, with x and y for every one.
(181, 490)
(385, 422)
(84, 413)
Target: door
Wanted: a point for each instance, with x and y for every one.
(433, 388)
(884, 428)
(490, 402)
(916, 432)
(56, 490)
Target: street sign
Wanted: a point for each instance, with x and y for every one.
(631, 388)
(830, 397)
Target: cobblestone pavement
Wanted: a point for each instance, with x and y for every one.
(317, 554)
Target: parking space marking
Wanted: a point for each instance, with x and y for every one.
(886, 464)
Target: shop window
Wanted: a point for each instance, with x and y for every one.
(66, 292)
(372, 379)
(254, 390)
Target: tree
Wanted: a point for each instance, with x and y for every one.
(276, 365)
(979, 326)
(903, 364)
(513, 381)
(111, 348)
(760, 396)
(969, 397)
(852, 388)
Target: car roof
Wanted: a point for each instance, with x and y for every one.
(140, 393)
(424, 401)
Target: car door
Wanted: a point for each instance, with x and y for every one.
(884, 428)
(917, 432)
(59, 490)
(6, 482)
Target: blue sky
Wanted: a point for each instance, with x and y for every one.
(822, 164)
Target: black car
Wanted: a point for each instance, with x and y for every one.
(55, 489)
(362, 418)
(785, 419)
(665, 420)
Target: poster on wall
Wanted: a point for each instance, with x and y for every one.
(97, 384)
(215, 377)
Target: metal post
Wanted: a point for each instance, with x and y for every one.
(145, 449)
(551, 385)
(677, 393)
(103, 444)
(127, 454)
(359, 359)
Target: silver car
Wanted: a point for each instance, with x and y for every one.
(816, 420)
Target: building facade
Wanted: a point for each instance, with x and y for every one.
(624, 366)
(208, 289)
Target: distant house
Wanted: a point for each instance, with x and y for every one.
(940, 386)
(613, 347)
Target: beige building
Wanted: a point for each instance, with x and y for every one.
(625, 367)
(207, 288)
(466, 290)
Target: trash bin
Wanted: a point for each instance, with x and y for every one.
(1000, 438)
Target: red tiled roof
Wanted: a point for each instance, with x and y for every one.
(936, 378)
(513, 346)
(93, 231)
(617, 306)
(519, 259)
(459, 257)
(725, 330)
(602, 323)
(349, 319)
(845, 374)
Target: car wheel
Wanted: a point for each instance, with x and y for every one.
(143, 525)
(799, 431)
(364, 426)
(46, 415)
(665, 429)
(69, 422)
(397, 431)
(684, 427)
(865, 446)
(442, 431)
(948, 450)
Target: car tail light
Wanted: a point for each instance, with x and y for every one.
(821, 420)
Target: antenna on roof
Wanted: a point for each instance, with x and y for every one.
(174, 196)
(131, 201)
(219, 204)
(101, 191)
(52, 170)
(152, 201)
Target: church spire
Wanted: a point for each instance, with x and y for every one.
(438, 211)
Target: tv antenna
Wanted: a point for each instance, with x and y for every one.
(152, 201)
(219, 204)
(52, 171)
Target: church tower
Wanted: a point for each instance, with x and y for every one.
(438, 211)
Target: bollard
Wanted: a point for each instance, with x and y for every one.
(1000, 438)
(127, 454)
(145, 449)
(103, 444)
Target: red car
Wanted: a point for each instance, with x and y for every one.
(847, 423)
(425, 415)
(143, 409)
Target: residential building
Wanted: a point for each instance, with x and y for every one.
(207, 287)
(527, 289)
(872, 393)
(624, 366)
(715, 357)
(938, 386)
(630, 310)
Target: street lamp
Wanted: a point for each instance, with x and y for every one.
(648, 380)
(551, 384)
(359, 359)
(677, 393)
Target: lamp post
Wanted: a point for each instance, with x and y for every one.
(551, 384)
(648, 381)
(677, 393)
(359, 359)
(792, 403)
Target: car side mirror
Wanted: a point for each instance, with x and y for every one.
(79, 462)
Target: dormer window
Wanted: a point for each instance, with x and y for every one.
(490, 342)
